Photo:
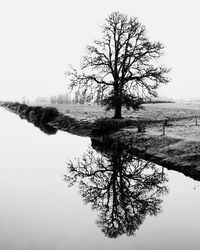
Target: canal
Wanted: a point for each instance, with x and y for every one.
(62, 191)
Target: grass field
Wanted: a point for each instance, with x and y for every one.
(185, 129)
(150, 111)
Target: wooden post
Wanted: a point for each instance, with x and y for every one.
(164, 122)
(162, 172)
(196, 120)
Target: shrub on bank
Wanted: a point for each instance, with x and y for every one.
(107, 125)
(20, 108)
(48, 114)
(11, 105)
(35, 114)
(38, 114)
(26, 113)
(65, 121)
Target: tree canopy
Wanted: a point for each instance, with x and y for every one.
(121, 69)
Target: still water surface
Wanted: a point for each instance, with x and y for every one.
(39, 211)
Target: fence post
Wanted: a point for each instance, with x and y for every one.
(164, 122)
(162, 173)
(196, 120)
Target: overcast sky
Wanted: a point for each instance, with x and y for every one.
(40, 38)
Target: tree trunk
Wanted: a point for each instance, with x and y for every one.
(118, 101)
(118, 110)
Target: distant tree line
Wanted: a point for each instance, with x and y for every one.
(81, 98)
(76, 98)
(60, 99)
(159, 100)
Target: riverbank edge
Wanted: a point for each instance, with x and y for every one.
(81, 127)
(172, 153)
(49, 116)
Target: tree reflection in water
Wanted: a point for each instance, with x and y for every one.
(123, 188)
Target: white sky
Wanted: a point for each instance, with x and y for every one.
(40, 38)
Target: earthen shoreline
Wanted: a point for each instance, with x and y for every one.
(172, 153)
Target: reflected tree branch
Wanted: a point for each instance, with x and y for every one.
(123, 188)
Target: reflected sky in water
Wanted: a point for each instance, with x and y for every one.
(39, 211)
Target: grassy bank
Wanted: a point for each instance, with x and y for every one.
(34, 114)
(172, 153)
(178, 149)
(40, 115)
(181, 117)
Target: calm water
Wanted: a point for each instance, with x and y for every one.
(39, 210)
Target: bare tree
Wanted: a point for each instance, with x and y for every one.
(122, 65)
(122, 188)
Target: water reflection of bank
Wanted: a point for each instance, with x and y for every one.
(122, 188)
(44, 127)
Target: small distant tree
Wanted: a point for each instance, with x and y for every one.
(53, 99)
(42, 99)
(122, 65)
(76, 97)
